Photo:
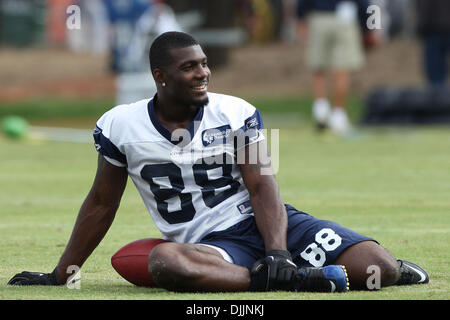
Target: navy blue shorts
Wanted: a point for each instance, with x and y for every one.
(312, 242)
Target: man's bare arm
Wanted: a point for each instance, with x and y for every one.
(269, 210)
(95, 216)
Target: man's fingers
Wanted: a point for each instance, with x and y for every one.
(286, 274)
(33, 278)
(272, 265)
(18, 278)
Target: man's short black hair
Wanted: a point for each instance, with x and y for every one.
(159, 50)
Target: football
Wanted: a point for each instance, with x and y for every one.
(131, 261)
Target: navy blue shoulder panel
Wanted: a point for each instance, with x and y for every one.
(254, 122)
(250, 131)
(105, 147)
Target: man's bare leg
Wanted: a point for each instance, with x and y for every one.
(360, 259)
(341, 88)
(193, 267)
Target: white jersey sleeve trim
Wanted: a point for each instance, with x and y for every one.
(114, 162)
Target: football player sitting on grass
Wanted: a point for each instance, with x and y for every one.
(189, 152)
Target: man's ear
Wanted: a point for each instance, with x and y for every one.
(159, 76)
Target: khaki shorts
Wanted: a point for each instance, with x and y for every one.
(333, 44)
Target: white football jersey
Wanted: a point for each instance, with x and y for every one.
(189, 179)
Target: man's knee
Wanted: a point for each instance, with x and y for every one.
(164, 266)
(170, 266)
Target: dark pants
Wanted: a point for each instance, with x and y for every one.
(437, 52)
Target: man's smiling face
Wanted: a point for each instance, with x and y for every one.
(188, 76)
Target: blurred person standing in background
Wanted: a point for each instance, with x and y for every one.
(433, 24)
(332, 30)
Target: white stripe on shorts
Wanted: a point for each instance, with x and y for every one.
(224, 254)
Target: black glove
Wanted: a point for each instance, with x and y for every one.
(26, 278)
(274, 272)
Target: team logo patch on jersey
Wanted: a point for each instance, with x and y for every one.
(251, 123)
(216, 135)
(245, 207)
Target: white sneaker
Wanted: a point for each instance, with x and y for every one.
(321, 111)
(338, 121)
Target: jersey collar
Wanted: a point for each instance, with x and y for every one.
(166, 133)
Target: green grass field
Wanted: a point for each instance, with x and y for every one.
(392, 184)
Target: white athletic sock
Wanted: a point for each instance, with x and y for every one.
(338, 121)
(321, 110)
